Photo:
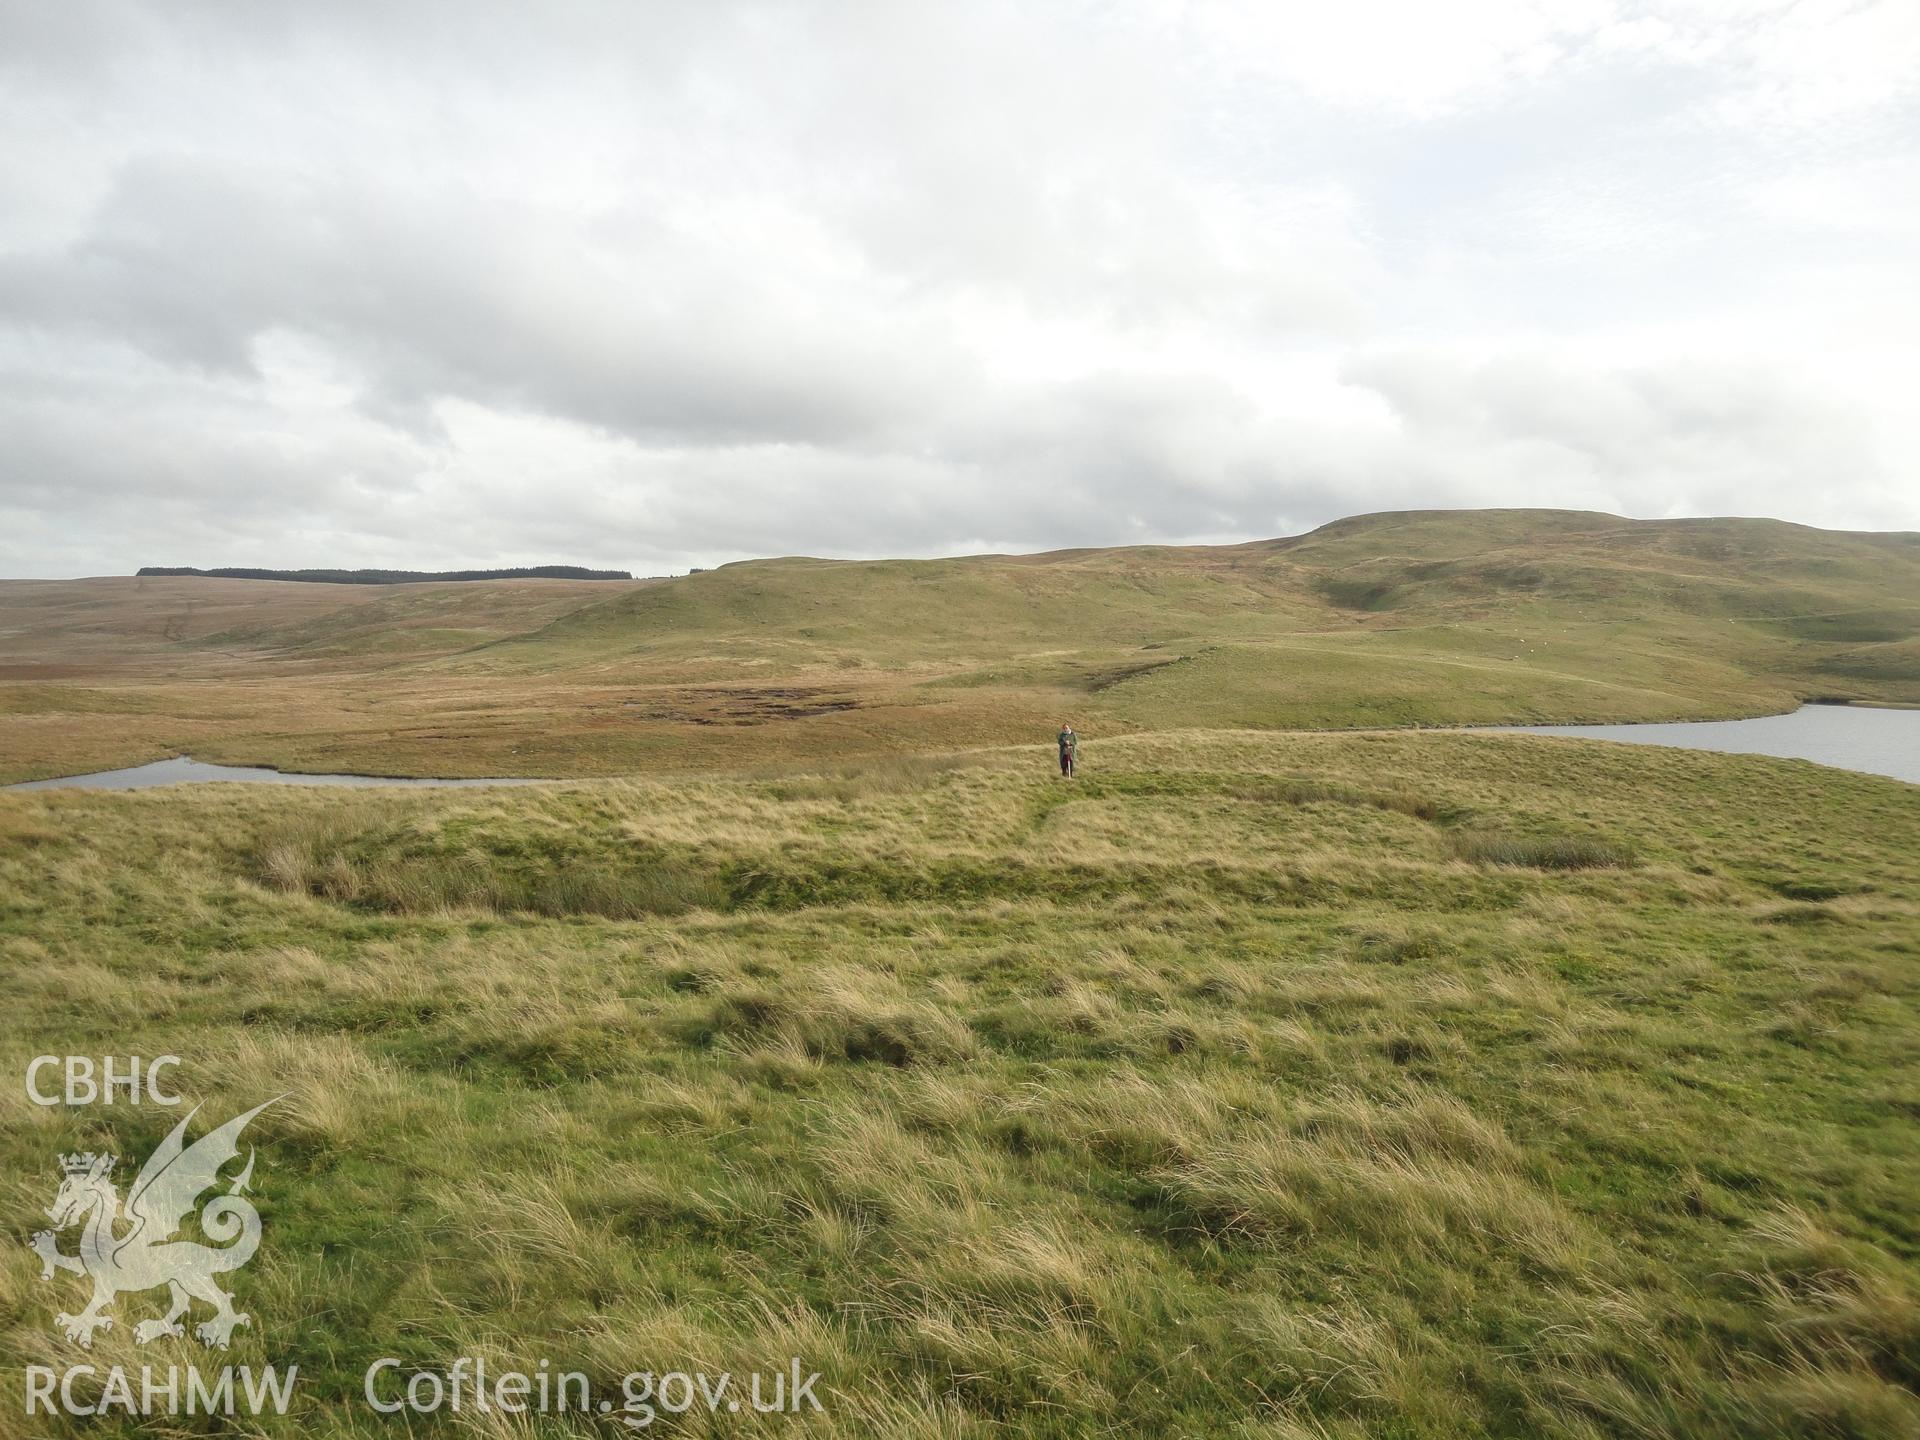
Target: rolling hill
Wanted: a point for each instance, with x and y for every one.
(1408, 619)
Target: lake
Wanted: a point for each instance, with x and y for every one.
(1849, 737)
(182, 771)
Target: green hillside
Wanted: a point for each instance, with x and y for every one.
(1424, 618)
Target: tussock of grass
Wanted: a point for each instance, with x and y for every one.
(1390, 948)
(381, 871)
(842, 1017)
(1801, 915)
(20, 833)
(1837, 1305)
(1427, 1177)
(1322, 792)
(1538, 852)
(1813, 891)
(868, 779)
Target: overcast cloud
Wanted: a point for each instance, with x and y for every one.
(667, 284)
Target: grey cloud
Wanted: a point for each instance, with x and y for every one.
(1679, 437)
(663, 284)
(638, 332)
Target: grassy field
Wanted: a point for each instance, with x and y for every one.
(1252, 1085)
(1418, 619)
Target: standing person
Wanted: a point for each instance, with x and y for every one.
(1069, 750)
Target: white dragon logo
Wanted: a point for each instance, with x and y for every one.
(165, 1191)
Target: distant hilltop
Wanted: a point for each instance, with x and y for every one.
(392, 577)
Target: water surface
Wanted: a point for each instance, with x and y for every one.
(182, 771)
(1849, 737)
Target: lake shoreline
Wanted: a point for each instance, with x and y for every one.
(1814, 740)
(1860, 739)
(257, 775)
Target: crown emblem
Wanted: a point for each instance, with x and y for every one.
(82, 1163)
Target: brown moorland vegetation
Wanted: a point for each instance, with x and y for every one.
(1424, 618)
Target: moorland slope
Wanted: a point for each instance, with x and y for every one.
(1418, 618)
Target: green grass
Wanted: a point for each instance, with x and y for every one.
(1424, 1085)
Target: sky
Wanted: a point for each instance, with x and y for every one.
(661, 285)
